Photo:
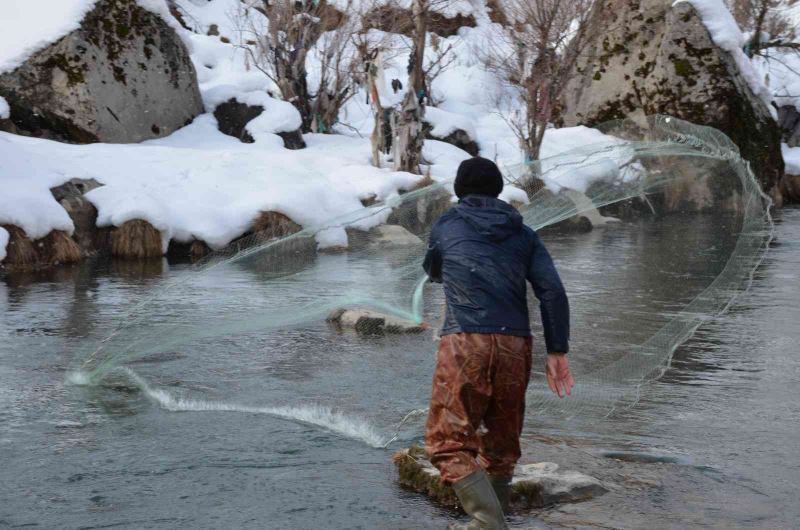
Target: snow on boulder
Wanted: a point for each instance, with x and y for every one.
(658, 58)
(254, 116)
(455, 129)
(116, 73)
(5, 110)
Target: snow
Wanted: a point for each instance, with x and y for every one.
(198, 183)
(791, 156)
(201, 184)
(27, 202)
(27, 26)
(3, 242)
(5, 110)
(445, 123)
(726, 34)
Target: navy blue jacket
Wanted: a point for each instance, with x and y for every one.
(483, 254)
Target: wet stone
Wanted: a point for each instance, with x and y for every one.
(534, 485)
(366, 322)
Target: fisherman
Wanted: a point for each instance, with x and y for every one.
(482, 253)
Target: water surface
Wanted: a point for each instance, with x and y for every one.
(712, 443)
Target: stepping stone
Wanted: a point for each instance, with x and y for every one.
(534, 485)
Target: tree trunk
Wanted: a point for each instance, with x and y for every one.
(410, 134)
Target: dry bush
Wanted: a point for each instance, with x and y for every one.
(136, 239)
(295, 31)
(57, 247)
(271, 225)
(20, 252)
(535, 55)
(768, 23)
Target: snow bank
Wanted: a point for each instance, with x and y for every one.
(27, 203)
(726, 34)
(198, 183)
(5, 111)
(791, 156)
(3, 242)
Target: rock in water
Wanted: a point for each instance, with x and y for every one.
(656, 58)
(366, 322)
(124, 76)
(533, 486)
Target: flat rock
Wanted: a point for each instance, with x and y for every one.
(366, 322)
(534, 485)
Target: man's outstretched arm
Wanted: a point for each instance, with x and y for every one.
(554, 307)
(552, 297)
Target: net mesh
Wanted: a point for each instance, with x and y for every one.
(377, 284)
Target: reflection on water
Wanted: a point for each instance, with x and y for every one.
(710, 444)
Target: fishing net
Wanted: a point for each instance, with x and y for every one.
(376, 285)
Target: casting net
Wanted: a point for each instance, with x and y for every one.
(641, 169)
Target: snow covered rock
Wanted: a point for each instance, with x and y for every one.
(659, 58)
(366, 322)
(123, 76)
(534, 485)
(82, 212)
(452, 128)
(233, 118)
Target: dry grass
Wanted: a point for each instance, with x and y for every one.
(53, 249)
(270, 225)
(20, 252)
(57, 248)
(136, 239)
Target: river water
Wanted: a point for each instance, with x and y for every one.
(285, 429)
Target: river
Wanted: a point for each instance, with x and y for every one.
(284, 429)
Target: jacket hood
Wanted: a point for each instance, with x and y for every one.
(490, 217)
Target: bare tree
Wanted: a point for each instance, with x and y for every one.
(280, 48)
(410, 134)
(535, 56)
(768, 23)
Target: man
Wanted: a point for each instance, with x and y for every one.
(483, 254)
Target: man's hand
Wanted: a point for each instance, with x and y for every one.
(559, 378)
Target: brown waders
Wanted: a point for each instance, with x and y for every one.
(480, 380)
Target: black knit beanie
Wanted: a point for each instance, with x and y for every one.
(478, 175)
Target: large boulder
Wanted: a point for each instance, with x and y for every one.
(123, 76)
(659, 58)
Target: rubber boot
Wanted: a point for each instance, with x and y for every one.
(480, 501)
(502, 488)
